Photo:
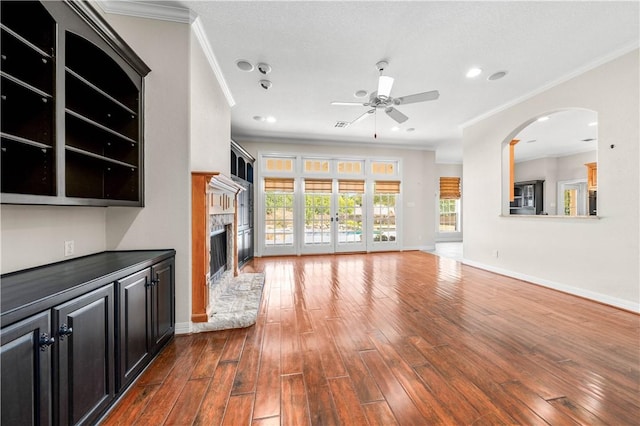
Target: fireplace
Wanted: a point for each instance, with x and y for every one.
(213, 242)
(218, 253)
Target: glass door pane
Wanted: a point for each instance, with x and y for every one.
(350, 216)
(318, 219)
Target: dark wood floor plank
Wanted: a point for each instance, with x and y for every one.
(295, 411)
(211, 354)
(216, 397)
(398, 338)
(400, 403)
(131, 405)
(188, 403)
(238, 410)
(322, 409)
(346, 402)
(379, 414)
(235, 344)
(247, 375)
(267, 403)
(364, 385)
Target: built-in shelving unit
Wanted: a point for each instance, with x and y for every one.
(72, 108)
(242, 173)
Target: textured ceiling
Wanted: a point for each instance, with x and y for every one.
(323, 51)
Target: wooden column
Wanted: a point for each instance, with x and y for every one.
(512, 146)
(199, 245)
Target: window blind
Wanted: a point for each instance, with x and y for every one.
(449, 188)
(387, 187)
(352, 186)
(278, 185)
(318, 185)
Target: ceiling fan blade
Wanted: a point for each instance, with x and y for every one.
(349, 103)
(418, 97)
(363, 116)
(385, 83)
(396, 115)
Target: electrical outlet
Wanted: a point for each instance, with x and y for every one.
(495, 253)
(68, 248)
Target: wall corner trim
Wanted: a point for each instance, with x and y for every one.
(183, 328)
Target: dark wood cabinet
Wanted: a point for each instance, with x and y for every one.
(84, 373)
(135, 319)
(25, 362)
(162, 302)
(528, 198)
(75, 334)
(242, 171)
(72, 94)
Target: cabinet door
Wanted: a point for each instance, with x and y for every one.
(162, 302)
(134, 324)
(26, 372)
(84, 365)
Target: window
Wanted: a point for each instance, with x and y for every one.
(350, 167)
(384, 167)
(278, 164)
(449, 204)
(316, 166)
(384, 210)
(278, 219)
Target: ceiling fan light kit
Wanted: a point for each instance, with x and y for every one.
(382, 99)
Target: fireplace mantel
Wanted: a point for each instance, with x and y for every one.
(212, 195)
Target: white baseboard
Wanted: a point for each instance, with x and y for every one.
(421, 248)
(587, 294)
(183, 328)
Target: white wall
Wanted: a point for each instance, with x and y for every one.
(210, 116)
(594, 258)
(418, 171)
(446, 170)
(165, 220)
(35, 235)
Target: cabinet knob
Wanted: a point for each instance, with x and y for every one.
(64, 330)
(46, 341)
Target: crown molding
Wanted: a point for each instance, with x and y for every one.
(588, 67)
(201, 36)
(172, 14)
(146, 10)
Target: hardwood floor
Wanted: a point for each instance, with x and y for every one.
(398, 338)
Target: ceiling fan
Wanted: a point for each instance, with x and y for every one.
(381, 99)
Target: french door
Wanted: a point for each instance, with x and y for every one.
(334, 216)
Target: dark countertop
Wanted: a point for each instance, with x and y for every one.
(24, 293)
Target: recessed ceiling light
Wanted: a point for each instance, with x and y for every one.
(497, 75)
(395, 128)
(361, 94)
(410, 129)
(544, 118)
(264, 68)
(593, 123)
(474, 72)
(244, 65)
(271, 119)
(258, 118)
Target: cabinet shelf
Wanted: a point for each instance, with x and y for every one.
(98, 125)
(25, 141)
(25, 85)
(24, 41)
(37, 32)
(100, 91)
(100, 157)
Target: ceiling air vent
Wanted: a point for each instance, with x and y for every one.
(341, 124)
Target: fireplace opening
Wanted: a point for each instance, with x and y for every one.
(218, 256)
